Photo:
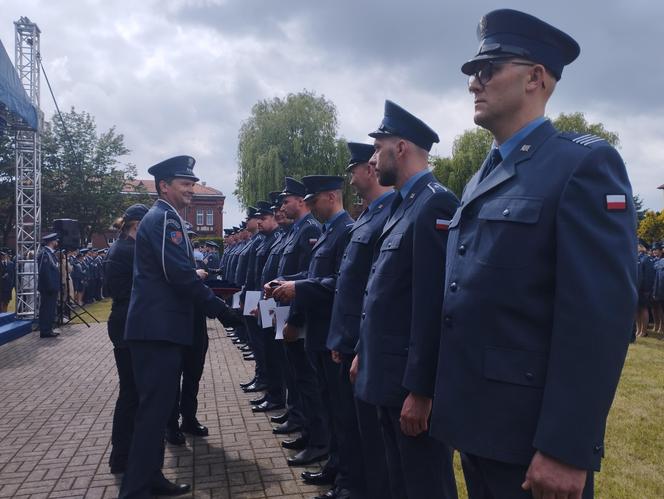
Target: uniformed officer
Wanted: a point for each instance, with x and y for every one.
(658, 287)
(358, 420)
(118, 277)
(212, 259)
(645, 283)
(311, 294)
(400, 322)
(244, 277)
(193, 363)
(274, 396)
(306, 410)
(160, 320)
(531, 355)
(7, 279)
(275, 360)
(48, 285)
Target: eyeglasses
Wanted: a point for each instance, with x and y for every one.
(484, 74)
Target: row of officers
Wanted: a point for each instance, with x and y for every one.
(486, 325)
(74, 274)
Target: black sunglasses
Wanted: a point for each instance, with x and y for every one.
(486, 71)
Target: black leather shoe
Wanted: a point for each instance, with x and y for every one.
(323, 477)
(258, 401)
(286, 428)
(175, 437)
(245, 348)
(256, 387)
(308, 456)
(229, 329)
(245, 385)
(267, 407)
(195, 428)
(280, 419)
(48, 335)
(250, 357)
(299, 443)
(164, 487)
(335, 493)
(238, 341)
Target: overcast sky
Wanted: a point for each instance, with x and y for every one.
(180, 76)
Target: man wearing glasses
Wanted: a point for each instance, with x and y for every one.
(524, 388)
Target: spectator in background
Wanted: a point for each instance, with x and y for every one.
(645, 282)
(658, 287)
(7, 279)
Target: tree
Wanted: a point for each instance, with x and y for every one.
(651, 228)
(638, 205)
(7, 187)
(82, 176)
(468, 152)
(295, 136)
(471, 147)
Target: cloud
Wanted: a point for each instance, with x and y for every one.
(180, 76)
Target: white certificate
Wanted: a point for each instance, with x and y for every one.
(236, 300)
(281, 313)
(266, 308)
(251, 299)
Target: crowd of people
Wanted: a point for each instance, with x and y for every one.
(427, 324)
(651, 288)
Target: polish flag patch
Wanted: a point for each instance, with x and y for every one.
(616, 202)
(442, 224)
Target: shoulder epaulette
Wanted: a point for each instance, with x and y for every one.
(435, 186)
(586, 139)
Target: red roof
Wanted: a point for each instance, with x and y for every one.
(199, 189)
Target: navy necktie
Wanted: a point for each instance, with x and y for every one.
(494, 160)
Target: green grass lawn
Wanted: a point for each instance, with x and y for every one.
(100, 310)
(634, 446)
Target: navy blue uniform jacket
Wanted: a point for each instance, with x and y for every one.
(296, 254)
(353, 276)
(400, 325)
(271, 266)
(165, 285)
(536, 322)
(49, 272)
(314, 288)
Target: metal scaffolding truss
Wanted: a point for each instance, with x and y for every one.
(28, 175)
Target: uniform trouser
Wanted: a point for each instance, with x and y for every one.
(306, 381)
(193, 363)
(373, 449)
(156, 366)
(274, 366)
(257, 343)
(293, 397)
(358, 422)
(327, 372)
(490, 479)
(47, 307)
(241, 332)
(418, 466)
(125, 409)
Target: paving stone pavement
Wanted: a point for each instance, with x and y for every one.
(56, 405)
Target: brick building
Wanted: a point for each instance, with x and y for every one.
(205, 213)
